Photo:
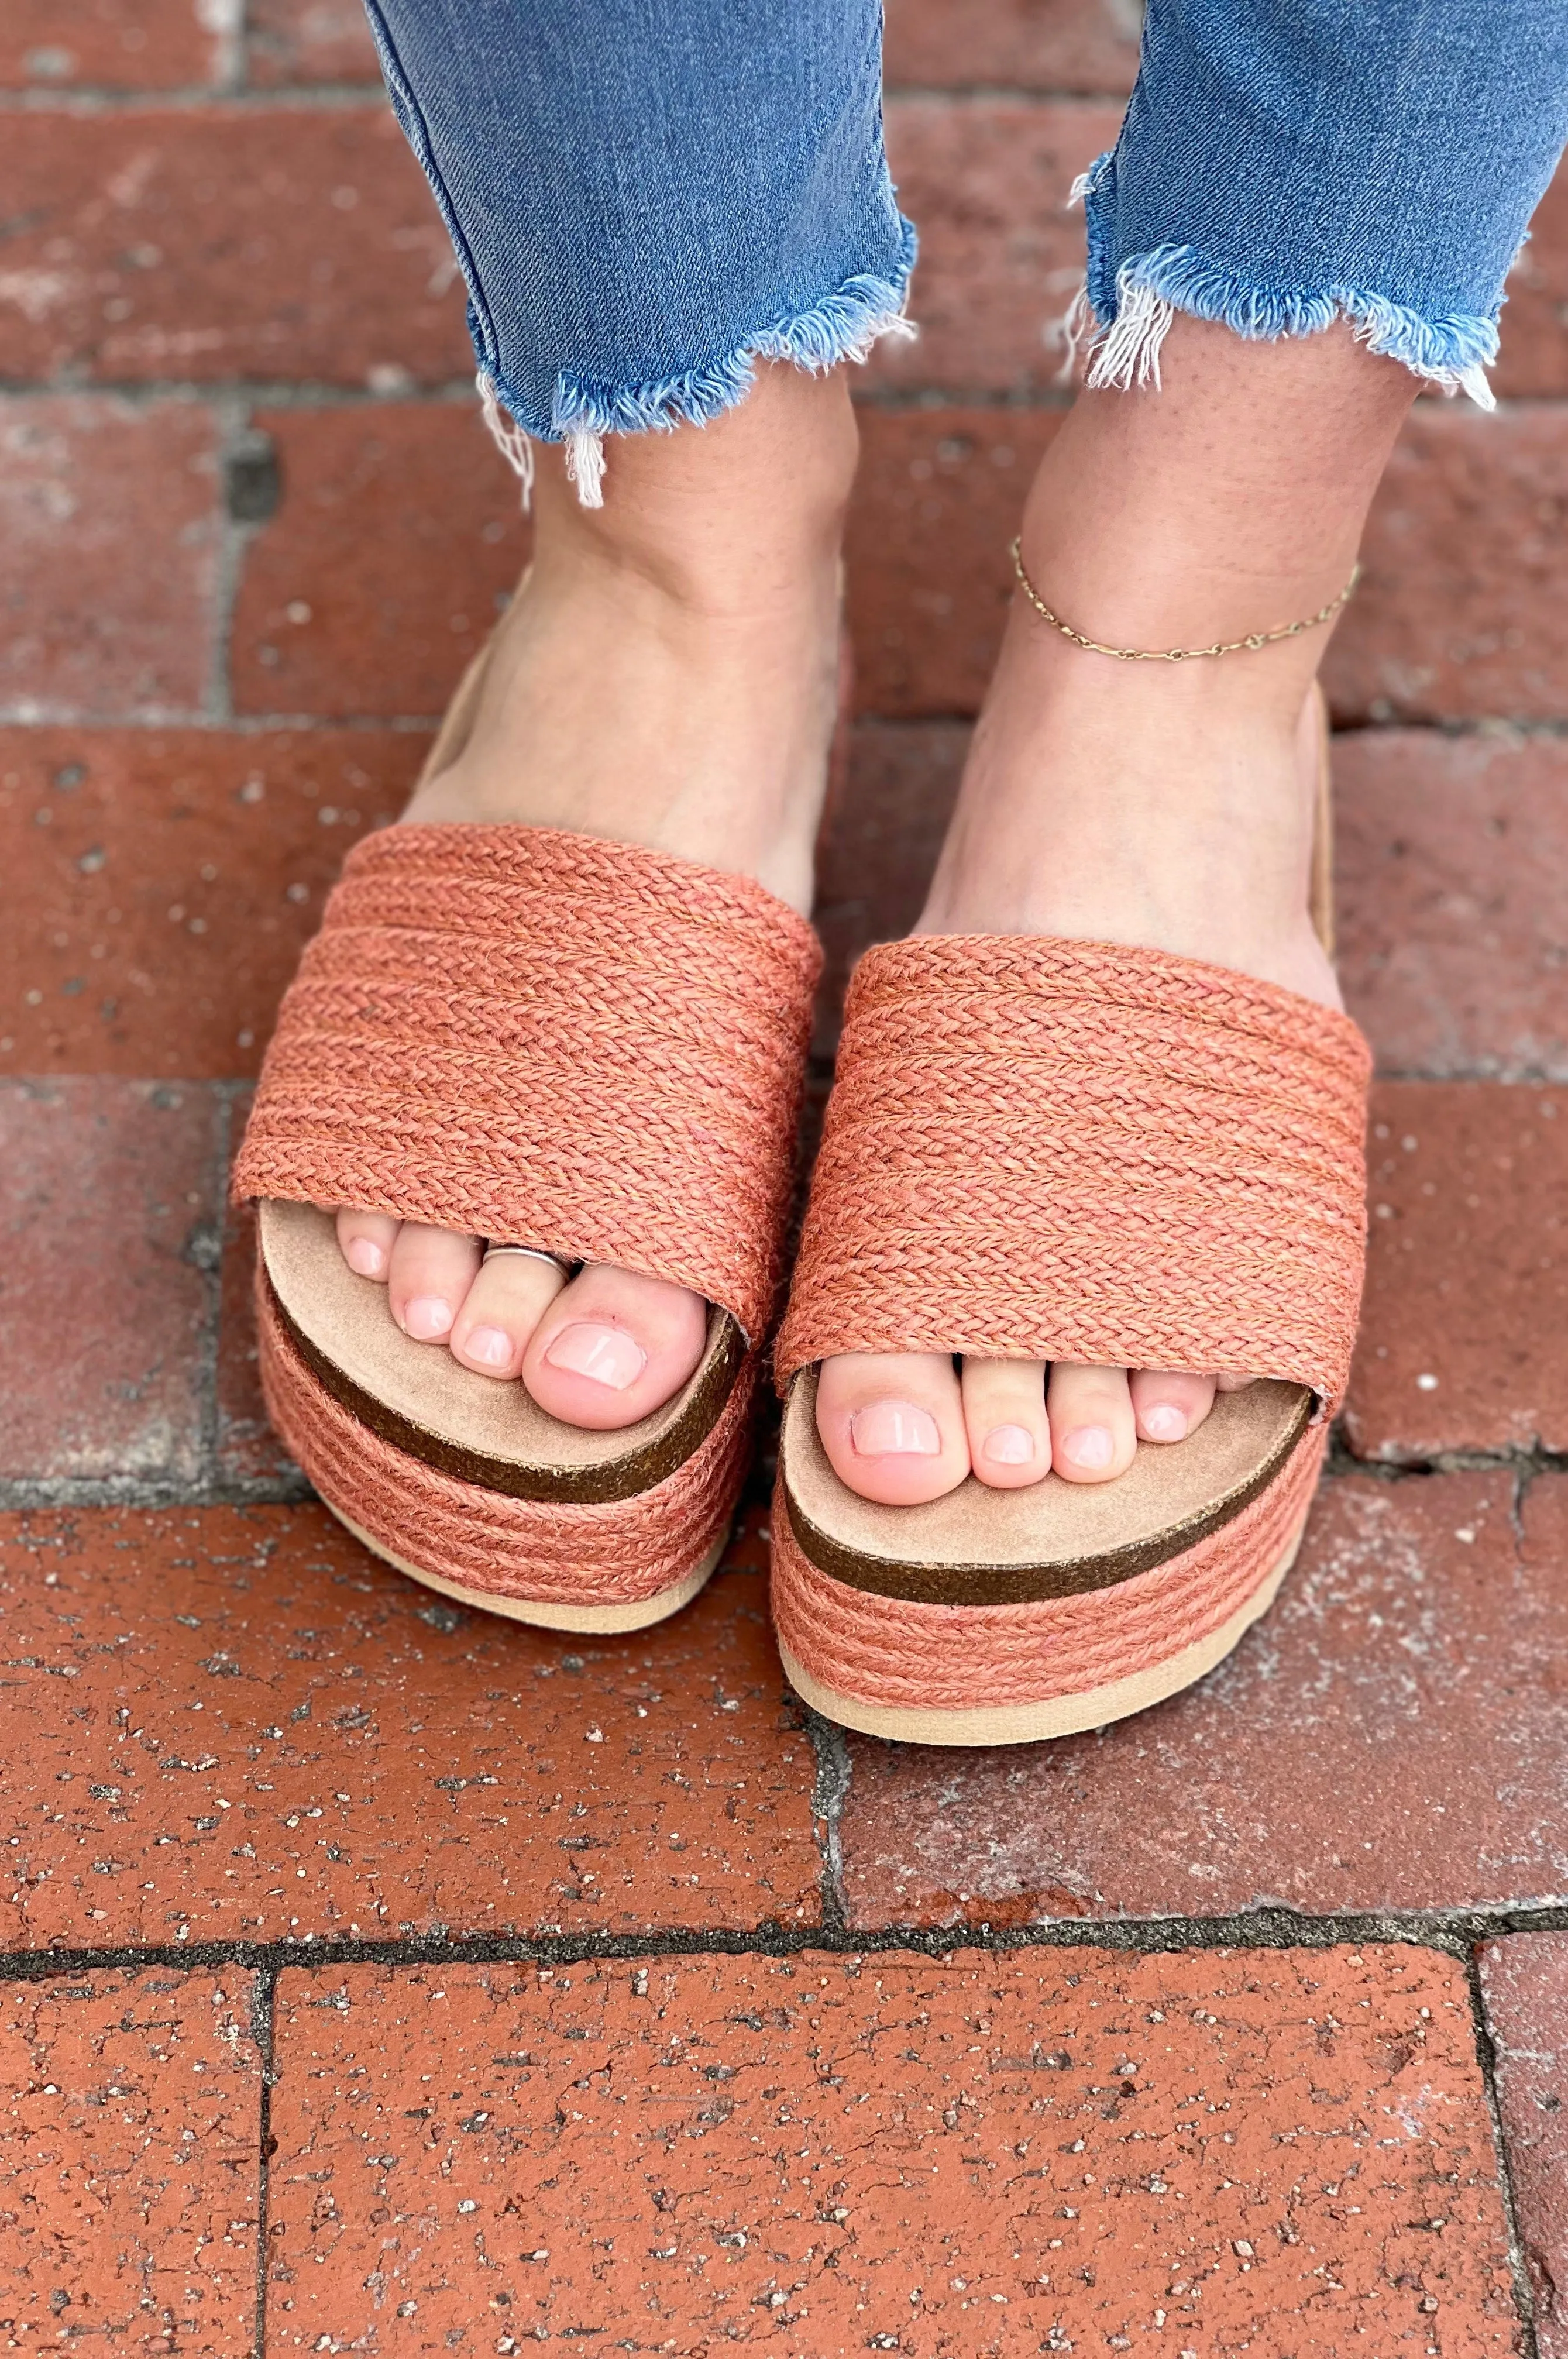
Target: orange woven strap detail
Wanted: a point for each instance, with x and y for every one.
(1070, 1151)
(536, 1036)
(616, 1553)
(889, 1650)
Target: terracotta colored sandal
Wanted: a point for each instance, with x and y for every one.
(1068, 1150)
(540, 1038)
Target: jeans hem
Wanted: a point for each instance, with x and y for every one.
(841, 326)
(1126, 315)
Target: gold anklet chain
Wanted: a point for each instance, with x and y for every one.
(1175, 655)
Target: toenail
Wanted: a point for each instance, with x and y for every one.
(427, 1317)
(489, 1344)
(894, 1430)
(1009, 1445)
(608, 1355)
(1165, 1423)
(364, 1256)
(1091, 1445)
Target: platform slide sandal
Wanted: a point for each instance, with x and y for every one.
(1065, 1150)
(541, 1038)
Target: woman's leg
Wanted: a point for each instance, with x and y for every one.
(656, 209)
(1329, 168)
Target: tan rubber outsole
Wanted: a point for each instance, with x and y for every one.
(1069, 1715)
(587, 1621)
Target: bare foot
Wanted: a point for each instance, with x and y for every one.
(665, 676)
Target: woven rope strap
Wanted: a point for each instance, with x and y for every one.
(519, 1033)
(1065, 1150)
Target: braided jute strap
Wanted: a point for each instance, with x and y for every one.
(1075, 1151)
(521, 1033)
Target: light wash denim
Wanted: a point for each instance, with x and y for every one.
(1284, 163)
(648, 196)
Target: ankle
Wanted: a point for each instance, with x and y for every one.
(1167, 806)
(708, 529)
(668, 674)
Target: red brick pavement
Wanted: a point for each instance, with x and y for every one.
(310, 2023)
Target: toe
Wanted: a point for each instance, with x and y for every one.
(892, 1425)
(1093, 1436)
(1226, 1383)
(1004, 1409)
(1168, 1406)
(428, 1280)
(500, 1311)
(613, 1347)
(365, 1241)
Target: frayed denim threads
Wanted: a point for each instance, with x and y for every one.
(843, 327)
(648, 197)
(1280, 169)
(1123, 333)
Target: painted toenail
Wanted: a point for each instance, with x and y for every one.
(427, 1317)
(894, 1430)
(489, 1344)
(1164, 1423)
(1091, 1445)
(365, 1256)
(1009, 1445)
(608, 1355)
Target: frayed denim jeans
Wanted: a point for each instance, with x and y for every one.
(646, 197)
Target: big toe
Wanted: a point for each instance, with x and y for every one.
(892, 1425)
(613, 1347)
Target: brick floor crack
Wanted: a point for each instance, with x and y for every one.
(1486, 2057)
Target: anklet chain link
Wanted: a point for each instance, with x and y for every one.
(1175, 655)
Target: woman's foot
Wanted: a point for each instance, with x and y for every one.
(665, 676)
(1167, 806)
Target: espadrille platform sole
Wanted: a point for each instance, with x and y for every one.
(1061, 1150)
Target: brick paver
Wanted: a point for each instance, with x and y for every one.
(1452, 898)
(1465, 1330)
(192, 243)
(1524, 1988)
(987, 180)
(246, 1454)
(1394, 1735)
(398, 538)
(166, 882)
(109, 530)
(109, 1226)
(108, 44)
(130, 2163)
(1076, 45)
(251, 530)
(830, 2156)
(880, 844)
(308, 41)
(233, 1723)
(1465, 574)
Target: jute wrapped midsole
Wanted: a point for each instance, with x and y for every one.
(611, 1552)
(960, 1657)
